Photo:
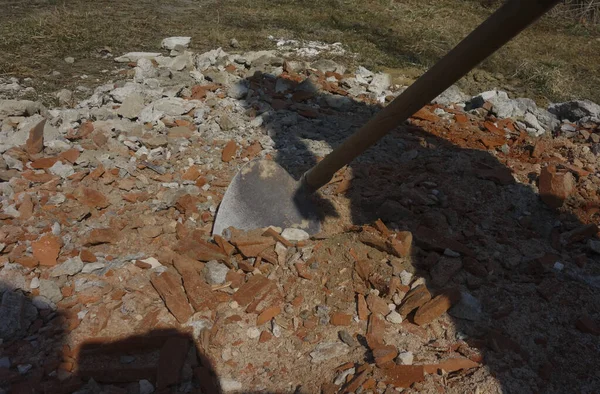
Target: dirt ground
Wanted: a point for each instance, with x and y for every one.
(556, 60)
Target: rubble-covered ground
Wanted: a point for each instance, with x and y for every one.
(460, 254)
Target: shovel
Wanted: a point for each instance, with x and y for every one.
(263, 194)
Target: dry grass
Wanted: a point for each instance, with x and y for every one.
(556, 60)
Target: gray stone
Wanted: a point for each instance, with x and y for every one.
(326, 65)
(226, 123)
(69, 60)
(91, 267)
(575, 110)
(135, 56)
(12, 277)
(238, 90)
(35, 283)
(532, 121)
(173, 106)
(468, 308)
(145, 69)
(121, 93)
(380, 83)
(363, 72)
(295, 234)
(41, 302)
(393, 211)
(145, 387)
(171, 42)
(234, 43)
(215, 272)
(347, 338)
(180, 62)
(50, 290)
(338, 102)
(405, 358)
(65, 97)
(70, 267)
(229, 385)
(452, 95)
(13, 163)
(594, 245)
(394, 317)
(62, 170)
(131, 106)
(328, 350)
(16, 315)
(210, 58)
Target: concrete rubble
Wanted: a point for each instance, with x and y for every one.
(435, 270)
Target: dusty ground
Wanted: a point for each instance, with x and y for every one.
(458, 255)
(554, 61)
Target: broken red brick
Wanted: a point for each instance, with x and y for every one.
(451, 365)
(265, 336)
(414, 299)
(341, 319)
(87, 256)
(267, 315)
(168, 286)
(384, 356)
(92, 198)
(588, 325)
(361, 307)
(228, 152)
(377, 304)
(434, 308)
(403, 376)
(555, 187)
(35, 142)
(102, 236)
(47, 249)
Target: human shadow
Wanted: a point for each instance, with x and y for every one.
(38, 356)
(525, 274)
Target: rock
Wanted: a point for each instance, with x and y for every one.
(72, 266)
(229, 151)
(171, 42)
(50, 290)
(144, 70)
(210, 58)
(405, 358)
(234, 43)
(152, 262)
(35, 283)
(532, 121)
(238, 90)
(65, 97)
(338, 102)
(445, 270)
(594, 245)
(11, 277)
(452, 95)
(16, 315)
(253, 332)
(380, 83)
(347, 338)
(555, 187)
(363, 72)
(91, 267)
(102, 236)
(326, 65)
(468, 308)
(135, 56)
(229, 385)
(575, 110)
(131, 106)
(327, 351)
(394, 317)
(393, 211)
(145, 387)
(20, 108)
(62, 170)
(215, 272)
(35, 142)
(173, 106)
(340, 319)
(295, 234)
(406, 277)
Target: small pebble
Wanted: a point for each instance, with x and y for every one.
(405, 358)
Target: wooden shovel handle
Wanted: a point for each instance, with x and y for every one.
(497, 30)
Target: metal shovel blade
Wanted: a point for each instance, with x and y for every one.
(263, 194)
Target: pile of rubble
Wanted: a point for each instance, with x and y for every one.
(439, 267)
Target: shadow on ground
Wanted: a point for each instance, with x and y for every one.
(447, 195)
